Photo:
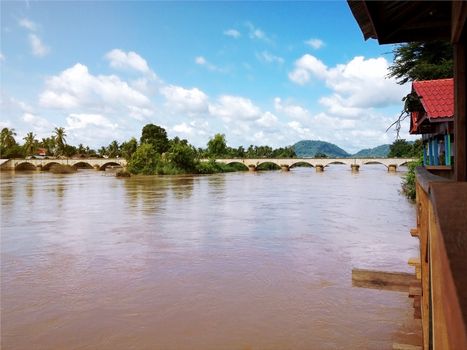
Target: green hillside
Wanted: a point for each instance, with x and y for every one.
(308, 148)
(377, 152)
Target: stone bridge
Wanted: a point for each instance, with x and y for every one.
(319, 163)
(45, 164)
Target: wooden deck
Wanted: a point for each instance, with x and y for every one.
(442, 230)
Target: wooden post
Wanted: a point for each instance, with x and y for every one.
(448, 149)
(424, 154)
(430, 153)
(435, 151)
(460, 126)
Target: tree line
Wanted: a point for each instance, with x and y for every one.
(154, 153)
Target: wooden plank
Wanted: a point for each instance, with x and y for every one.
(397, 346)
(414, 232)
(394, 281)
(460, 123)
(414, 262)
(415, 291)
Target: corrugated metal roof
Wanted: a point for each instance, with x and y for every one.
(437, 97)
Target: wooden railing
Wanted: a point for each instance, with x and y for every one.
(442, 230)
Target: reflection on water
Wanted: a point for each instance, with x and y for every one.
(227, 261)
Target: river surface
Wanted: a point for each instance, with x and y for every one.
(229, 261)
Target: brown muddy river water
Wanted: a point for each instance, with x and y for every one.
(231, 261)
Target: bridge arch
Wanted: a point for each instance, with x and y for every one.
(268, 164)
(236, 161)
(82, 165)
(369, 162)
(298, 163)
(47, 166)
(106, 165)
(337, 162)
(25, 166)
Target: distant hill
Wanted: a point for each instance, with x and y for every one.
(379, 152)
(308, 148)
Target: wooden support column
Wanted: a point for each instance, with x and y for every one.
(430, 153)
(460, 126)
(447, 155)
(435, 152)
(424, 154)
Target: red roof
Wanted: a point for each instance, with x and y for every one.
(437, 97)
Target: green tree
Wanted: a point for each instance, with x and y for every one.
(60, 140)
(183, 156)
(400, 148)
(217, 146)
(144, 160)
(113, 149)
(7, 137)
(422, 61)
(128, 148)
(156, 136)
(30, 143)
(102, 151)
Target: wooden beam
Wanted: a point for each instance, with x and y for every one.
(460, 125)
(397, 346)
(394, 281)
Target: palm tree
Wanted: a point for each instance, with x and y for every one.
(30, 143)
(113, 149)
(60, 139)
(7, 137)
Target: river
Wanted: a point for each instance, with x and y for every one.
(228, 261)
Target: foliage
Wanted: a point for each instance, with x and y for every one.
(7, 138)
(113, 150)
(128, 148)
(30, 144)
(144, 160)
(217, 146)
(156, 136)
(60, 140)
(320, 155)
(422, 61)
(408, 180)
(183, 156)
(402, 149)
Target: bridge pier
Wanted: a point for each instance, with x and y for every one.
(392, 168)
(251, 167)
(354, 168)
(97, 167)
(39, 167)
(319, 168)
(285, 168)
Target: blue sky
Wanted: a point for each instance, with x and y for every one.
(260, 72)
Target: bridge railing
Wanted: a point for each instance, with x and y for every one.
(442, 230)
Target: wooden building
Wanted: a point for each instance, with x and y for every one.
(432, 116)
(441, 202)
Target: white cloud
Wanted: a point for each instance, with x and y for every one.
(82, 121)
(257, 33)
(119, 59)
(232, 33)
(183, 128)
(306, 67)
(315, 43)
(179, 99)
(28, 24)
(75, 88)
(234, 107)
(200, 60)
(37, 46)
(291, 110)
(268, 57)
(41, 126)
(268, 121)
(2, 57)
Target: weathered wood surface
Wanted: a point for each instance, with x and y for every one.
(397, 346)
(394, 281)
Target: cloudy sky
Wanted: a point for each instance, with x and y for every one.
(260, 73)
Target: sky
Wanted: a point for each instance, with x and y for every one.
(262, 73)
